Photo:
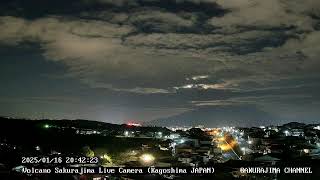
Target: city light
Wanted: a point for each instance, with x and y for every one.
(244, 150)
(134, 124)
(286, 133)
(147, 158)
(106, 157)
(221, 139)
(224, 147)
(46, 126)
(174, 136)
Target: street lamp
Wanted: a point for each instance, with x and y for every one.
(147, 158)
(244, 150)
(286, 132)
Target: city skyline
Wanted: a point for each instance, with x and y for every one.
(213, 62)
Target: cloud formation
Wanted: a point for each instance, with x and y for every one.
(268, 14)
(128, 49)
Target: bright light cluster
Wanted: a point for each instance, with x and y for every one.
(147, 158)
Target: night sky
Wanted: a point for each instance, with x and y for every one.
(212, 62)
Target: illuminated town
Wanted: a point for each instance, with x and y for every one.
(134, 145)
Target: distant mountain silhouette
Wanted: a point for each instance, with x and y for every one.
(294, 125)
(215, 116)
(23, 126)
